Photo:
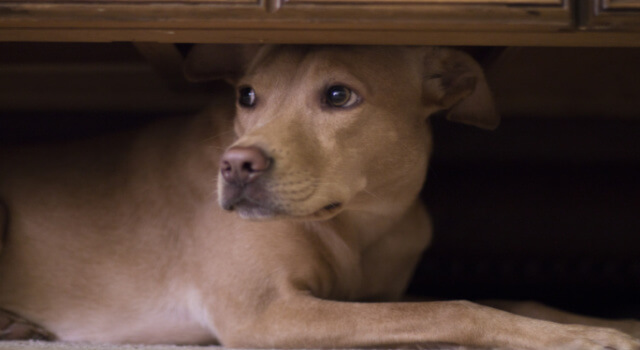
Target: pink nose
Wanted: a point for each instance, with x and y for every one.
(242, 165)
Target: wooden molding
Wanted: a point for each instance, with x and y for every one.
(406, 22)
(285, 21)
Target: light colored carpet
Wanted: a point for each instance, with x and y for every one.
(40, 345)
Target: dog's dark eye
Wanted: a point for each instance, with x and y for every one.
(341, 96)
(246, 96)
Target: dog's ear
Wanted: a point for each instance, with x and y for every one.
(454, 81)
(206, 62)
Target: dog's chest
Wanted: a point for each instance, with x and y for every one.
(385, 275)
(388, 265)
(379, 273)
(376, 265)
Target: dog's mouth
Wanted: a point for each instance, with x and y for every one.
(253, 209)
(333, 206)
(249, 207)
(254, 201)
(324, 213)
(330, 208)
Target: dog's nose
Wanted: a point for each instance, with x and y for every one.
(242, 165)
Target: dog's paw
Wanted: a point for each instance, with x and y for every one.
(631, 327)
(14, 327)
(587, 338)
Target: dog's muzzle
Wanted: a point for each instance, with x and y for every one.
(247, 188)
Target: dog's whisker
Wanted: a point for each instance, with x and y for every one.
(373, 195)
(217, 136)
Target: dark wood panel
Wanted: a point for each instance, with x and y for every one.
(614, 15)
(430, 15)
(567, 82)
(102, 2)
(621, 4)
(461, 2)
(328, 36)
(414, 22)
(313, 16)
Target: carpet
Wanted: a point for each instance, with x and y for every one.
(42, 345)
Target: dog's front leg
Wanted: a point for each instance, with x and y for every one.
(302, 321)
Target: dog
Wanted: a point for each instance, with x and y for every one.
(289, 218)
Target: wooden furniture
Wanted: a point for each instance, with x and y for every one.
(434, 22)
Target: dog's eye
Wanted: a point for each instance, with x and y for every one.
(246, 96)
(341, 96)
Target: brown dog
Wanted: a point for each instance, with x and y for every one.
(129, 239)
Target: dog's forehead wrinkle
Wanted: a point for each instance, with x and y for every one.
(279, 64)
(312, 67)
(271, 55)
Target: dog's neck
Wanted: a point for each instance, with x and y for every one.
(369, 226)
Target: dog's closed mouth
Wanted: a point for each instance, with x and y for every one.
(332, 206)
(248, 209)
(327, 210)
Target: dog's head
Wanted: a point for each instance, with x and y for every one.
(324, 129)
